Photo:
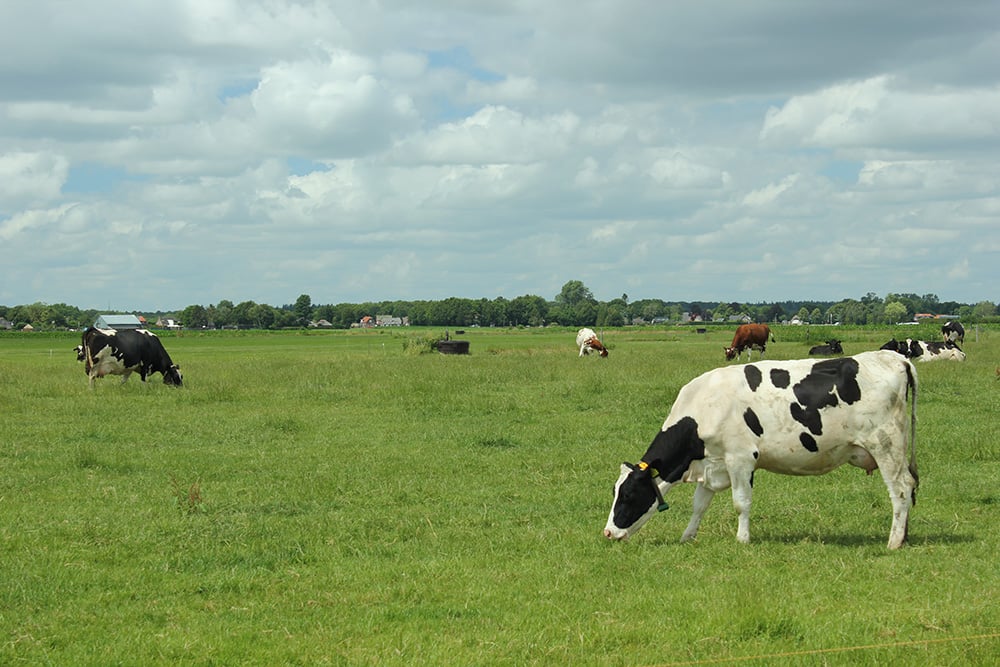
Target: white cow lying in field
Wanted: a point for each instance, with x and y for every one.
(803, 417)
(587, 341)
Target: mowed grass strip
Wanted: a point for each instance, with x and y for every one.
(336, 499)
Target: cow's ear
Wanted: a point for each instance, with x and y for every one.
(630, 466)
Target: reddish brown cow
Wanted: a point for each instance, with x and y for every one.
(748, 337)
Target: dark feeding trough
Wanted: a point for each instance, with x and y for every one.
(453, 346)
(449, 346)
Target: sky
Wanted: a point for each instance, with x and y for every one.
(155, 155)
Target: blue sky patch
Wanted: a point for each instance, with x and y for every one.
(96, 177)
(298, 166)
(842, 171)
(237, 89)
(460, 59)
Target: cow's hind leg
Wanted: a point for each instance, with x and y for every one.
(702, 499)
(901, 484)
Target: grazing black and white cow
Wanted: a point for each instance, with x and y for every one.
(922, 351)
(111, 352)
(802, 417)
(832, 346)
(588, 342)
(953, 332)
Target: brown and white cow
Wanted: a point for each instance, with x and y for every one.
(588, 341)
(748, 337)
(802, 417)
(110, 352)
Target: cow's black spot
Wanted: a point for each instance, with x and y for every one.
(751, 419)
(826, 380)
(780, 378)
(751, 478)
(753, 376)
(808, 442)
(810, 417)
(672, 450)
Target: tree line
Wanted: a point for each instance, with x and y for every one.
(575, 305)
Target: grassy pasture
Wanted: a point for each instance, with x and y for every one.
(330, 498)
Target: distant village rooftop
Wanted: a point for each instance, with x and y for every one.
(120, 322)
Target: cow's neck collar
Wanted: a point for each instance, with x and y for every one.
(656, 479)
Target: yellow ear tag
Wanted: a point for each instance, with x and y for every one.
(643, 465)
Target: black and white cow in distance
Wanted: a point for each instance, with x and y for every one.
(921, 350)
(832, 347)
(953, 332)
(111, 352)
(802, 417)
(588, 342)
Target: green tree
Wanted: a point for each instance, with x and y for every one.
(194, 317)
(651, 309)
(223, 315)
(528, 310)
(261, 316)
(573, 293)
(774, 313)
(983, 310)
(303, 309)
(895, 312)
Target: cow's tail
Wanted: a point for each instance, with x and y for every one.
(911, 384)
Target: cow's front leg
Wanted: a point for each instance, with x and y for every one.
(742, 481)
(702, 499)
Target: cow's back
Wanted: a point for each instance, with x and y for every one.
(805, 408)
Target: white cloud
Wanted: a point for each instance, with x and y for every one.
(30, 179)
(770, 192)
(880, 115)
(353, 151)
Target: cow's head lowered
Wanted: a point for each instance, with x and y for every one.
(172, 376)
(674, 456)
(637, 498)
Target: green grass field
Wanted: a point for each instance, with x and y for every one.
(331, 498)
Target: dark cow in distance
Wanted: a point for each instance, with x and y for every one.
(921, 350)
(110, 352)
(832, 347)
(801, 417)
(953, 332)
(748, 337)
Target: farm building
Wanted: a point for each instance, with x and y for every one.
(119, 322)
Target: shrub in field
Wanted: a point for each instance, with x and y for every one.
(420, 344)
